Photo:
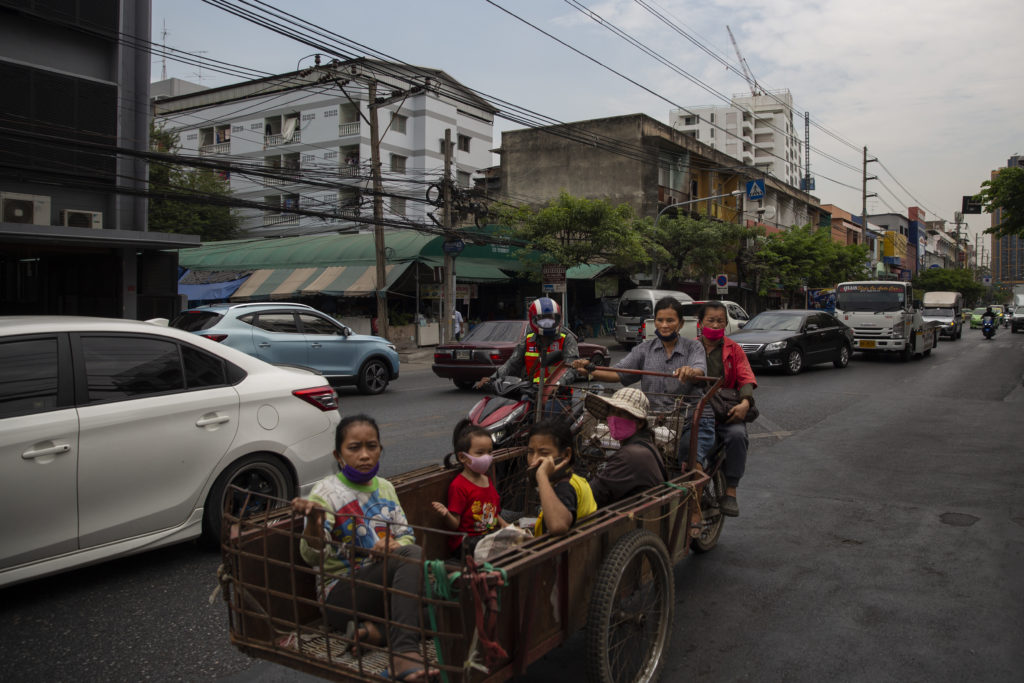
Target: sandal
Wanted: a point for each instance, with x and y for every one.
(368, 635)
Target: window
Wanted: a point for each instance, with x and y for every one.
(398, 163)
(689, 120)
(462, 178)
(398, 122)
(398, 206)
(316, 324)
(117, 368)
(440, 146)
(202, 369)
(711, 118)
(282, 323)
(712, 132)
(463, 143)
(28, 377)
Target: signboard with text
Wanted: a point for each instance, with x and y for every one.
(553, 277)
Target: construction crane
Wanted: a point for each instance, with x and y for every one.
(755, 89)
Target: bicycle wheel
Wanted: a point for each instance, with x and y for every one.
(712, 518)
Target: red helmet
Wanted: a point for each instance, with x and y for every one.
(545, 316)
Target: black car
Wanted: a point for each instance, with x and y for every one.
(791, 339)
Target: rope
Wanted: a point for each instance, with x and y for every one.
(436, 581)
(486, 599)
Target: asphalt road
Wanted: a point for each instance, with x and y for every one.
(881, 537)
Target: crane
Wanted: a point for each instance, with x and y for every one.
(755, 89)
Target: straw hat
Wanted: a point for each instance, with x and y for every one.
(627, 399)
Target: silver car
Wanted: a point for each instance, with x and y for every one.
(118, 436)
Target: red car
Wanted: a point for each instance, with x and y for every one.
(488, 346)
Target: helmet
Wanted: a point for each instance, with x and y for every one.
(545, 316)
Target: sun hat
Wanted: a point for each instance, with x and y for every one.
(628, 399)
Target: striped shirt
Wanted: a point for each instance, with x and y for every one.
(650, 355)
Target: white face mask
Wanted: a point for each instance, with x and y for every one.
(479, 463)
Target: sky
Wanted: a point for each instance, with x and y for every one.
(931, 87)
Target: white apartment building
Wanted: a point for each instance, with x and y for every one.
(756, 129)
(309, 132)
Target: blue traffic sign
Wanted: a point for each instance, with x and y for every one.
(453, 246)
(755, 189)
(722, 280)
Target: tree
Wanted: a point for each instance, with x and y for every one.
(805, 256)
(1005, 193)
(192, 216)
(950, 280)
(698, 248)
(573, 231)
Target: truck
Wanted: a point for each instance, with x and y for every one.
(1017, 319)
(945, 308)
(884, 318)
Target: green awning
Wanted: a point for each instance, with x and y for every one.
(586, 272)
(275, 283)
(352, 280)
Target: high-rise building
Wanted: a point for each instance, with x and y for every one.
(1007, 252)
(755, 129)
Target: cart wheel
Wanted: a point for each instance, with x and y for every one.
(630, 611)
(711, 526)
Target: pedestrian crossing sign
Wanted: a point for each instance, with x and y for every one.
(755, 189)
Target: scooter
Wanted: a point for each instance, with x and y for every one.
(988, 328)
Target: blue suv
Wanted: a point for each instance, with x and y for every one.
(296, 334)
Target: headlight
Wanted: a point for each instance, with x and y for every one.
(897, 329)
(392, 347)
(776, 346)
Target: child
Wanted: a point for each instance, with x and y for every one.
(356, 508)
(474, 506)
(565, 498)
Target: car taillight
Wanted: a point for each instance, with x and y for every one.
(494, 355)
(215, 337)
(323, 397)
(442, 355)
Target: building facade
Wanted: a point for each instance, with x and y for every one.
(306, 138)
(74, 134)
(1008, 251)
(757, 130)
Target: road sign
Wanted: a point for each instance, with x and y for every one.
(553, 277)
(722, 282)
(935, 265)
(755, 189)
(970, 205)
(453, 246)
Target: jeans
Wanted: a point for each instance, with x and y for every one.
(404, 572)
(705, 442)
(734, 437)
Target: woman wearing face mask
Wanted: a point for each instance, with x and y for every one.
(667, 352)
(726, 358)
(474, 506)
(637, 465)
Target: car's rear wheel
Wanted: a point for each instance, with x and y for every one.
(260, 473)
(598, 359)
(843, 359)
(463, 384)
(373, 377)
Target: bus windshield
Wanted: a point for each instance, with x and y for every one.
(870, 298)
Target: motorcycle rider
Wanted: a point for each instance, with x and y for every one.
(991, 315)
(546, 335)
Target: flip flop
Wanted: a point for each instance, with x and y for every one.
(403, 675)
(351, 629)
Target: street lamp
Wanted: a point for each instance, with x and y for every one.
(734, 193)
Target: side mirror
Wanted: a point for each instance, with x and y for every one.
(741, 324)
(812, 326)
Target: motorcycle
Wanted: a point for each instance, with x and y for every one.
(988, 328)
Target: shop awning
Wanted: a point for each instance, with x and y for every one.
(587, 272)
(352, 280)
(212, 291)
(275, 283)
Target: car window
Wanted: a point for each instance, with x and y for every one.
(117, 368)
(774, 321)
(737, 312)
(635, 308)
(276, 322)
(315, 324)
(691, 310)
(193, 321)
(496, 330)
(823, 320)
(28, 377)
(202, 369)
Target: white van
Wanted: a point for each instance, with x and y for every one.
(635, 306)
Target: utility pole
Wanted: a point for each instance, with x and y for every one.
(864, 189)
(378, 212)
(448, 310)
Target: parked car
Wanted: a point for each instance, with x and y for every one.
(296, 334)
(790, 340)
(119, 436)
(488, 346)
(736, 318)
(976, 317)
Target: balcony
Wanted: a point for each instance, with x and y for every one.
(217, 148)
(279, 218)
(277, 139)
(347, 129)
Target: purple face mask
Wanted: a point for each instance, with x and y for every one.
(357, 477)
(621, 428)
(479, 463)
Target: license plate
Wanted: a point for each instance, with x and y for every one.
(463, 354)
(866, 343)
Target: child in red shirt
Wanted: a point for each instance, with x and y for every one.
(474, 506)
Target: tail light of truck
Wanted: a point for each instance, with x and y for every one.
(323, 397)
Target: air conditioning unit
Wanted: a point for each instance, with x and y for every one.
(32, 209)
(77, 218)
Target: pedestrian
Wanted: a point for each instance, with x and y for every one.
(457, 324)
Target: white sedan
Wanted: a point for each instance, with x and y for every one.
(118, 436)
